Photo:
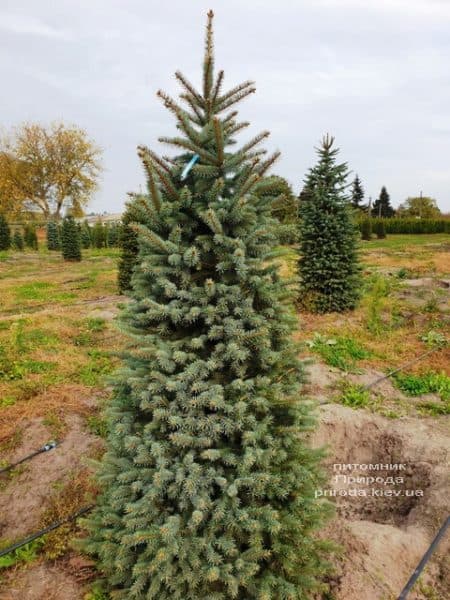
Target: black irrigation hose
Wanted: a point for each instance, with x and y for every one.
(42, 532)
(408, 364)
(46, 448)
(425, 558)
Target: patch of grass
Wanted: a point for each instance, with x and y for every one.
(434, 409)
(6, 477)
(56, 424)
(38, 290)
(378, 289)
(340, 352)
(99, 366)
(66, 500)
(96, 324)
(425, 383)
(354, 396)
(12, 441)
(97, 593)
(7, 401)
(23, 555)
(41, 338)
(90, 327)
(97, 425)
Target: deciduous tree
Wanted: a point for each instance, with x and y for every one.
(46, 168)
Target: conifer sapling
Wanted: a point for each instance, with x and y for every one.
(53, 241)
(70, 239)
(17, 240)
(328, 265)
(5, 234)
(208, 482)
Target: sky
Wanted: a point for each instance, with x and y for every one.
(373, 73)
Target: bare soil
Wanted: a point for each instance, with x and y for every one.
(384, 537)
(23, 500)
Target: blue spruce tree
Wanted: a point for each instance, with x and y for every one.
(328, 265)
(208, 482)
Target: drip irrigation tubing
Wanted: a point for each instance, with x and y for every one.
(408, 364)
(45, 448)
(426, 557)
(54, 525)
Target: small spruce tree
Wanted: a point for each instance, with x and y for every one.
(208, 482)
(30, 236)
(112, 235)
(98, 235)
(380, 229)
(85, 235)
(17, 240)
(357, 194)
(382, 205)
(70, 239)
(5, 234)
(366, 229)
(328, 266)
(128, 241)
(53, 241)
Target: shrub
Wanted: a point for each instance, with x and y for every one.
(70, 240)
(379, 229)
(53, 240)
(30, 236)
(366, 229)
(5, 234)
(17, 240)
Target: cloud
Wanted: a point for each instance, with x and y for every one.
(374, 73)
(29, 25)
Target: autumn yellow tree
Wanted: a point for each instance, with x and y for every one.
(47, 168)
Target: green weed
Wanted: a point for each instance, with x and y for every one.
(354, 396)
(97, 593)
(426, 383)
(378, 289)
(434, 339)
(25, 554)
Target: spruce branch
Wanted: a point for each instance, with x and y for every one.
(188, 145)
(265, 165)
(254, 141)
(246, 86)
(218, 133)
(189, 88)
(217, 87)
(199, 118)
(230, 117)
(208, 63)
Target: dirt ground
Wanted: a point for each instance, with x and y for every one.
(385, 537)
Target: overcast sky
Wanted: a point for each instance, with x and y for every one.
(374, 73)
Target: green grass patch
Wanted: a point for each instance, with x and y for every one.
(97, 425)
(98, 367)
(425, 383)
(38, 290)
(340, 352)
(354, 396)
